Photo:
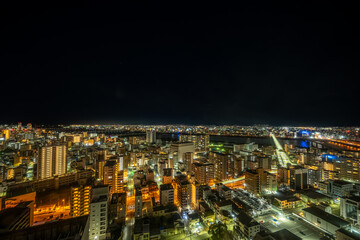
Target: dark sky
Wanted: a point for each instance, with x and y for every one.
(283, 64)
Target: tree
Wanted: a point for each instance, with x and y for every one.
(219, 231)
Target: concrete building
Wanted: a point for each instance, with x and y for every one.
(113, 177)
(98, 218)
(299, 178)
(118, 207)
(350, 208)
(201, 142)
(183, 190)
(188, 160)
(204, 172)
(324, 220)
(18, 217)
(52, 161)
(339, 188)
(150, 136)
(224, 165)
(167, 175)
(248, 226)
(166, 194)
(138, 203)
(252, 181)
(80, 199)
(347, 234)
(178, 150)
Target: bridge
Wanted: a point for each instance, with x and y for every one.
(283, 158)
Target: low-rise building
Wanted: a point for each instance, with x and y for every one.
(350, 208)
(286, 200)
(344, 234)
(324, 220)
(339, 188)
(248, 226)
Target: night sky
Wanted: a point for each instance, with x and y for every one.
(261, 63)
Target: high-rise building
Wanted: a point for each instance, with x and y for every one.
(224, 165)
(98, 218)
(150, 136)
(80, 199)
(138, 203)
(177, 151)
(167, 175)
(166, 194)
(204, 172)
(118, 206)
(7, 134)
(113, 177)
(188, 159)
(252, 181)
(239, 167)
(52, 161)
(183, 192)
(201, 142)
(298, 178)
(258, 181)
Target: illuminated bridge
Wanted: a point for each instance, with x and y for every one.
(283, 158)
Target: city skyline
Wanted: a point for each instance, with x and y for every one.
(123, 120)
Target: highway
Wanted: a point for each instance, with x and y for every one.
(283, 158)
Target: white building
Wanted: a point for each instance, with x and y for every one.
(52, 161)
(324, 220)
(350, 208)
(177, 150)
(98, 220)
(339, 188)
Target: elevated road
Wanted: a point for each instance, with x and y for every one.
(242, 178)
(283, 158)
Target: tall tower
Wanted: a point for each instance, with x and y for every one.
(138, 204)
(52, 161)
(150, 136)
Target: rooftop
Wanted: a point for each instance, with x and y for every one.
(166, 187)
(334, 220)
(313, 194)
(284, 234)
(9, 215)
(341, 182)
(288, 196)
(348, 233)
(246, 219)
(224, 203)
